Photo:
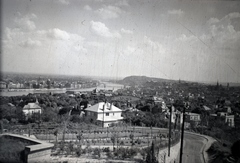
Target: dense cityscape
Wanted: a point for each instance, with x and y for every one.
(212, 110)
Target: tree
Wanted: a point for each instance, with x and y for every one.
(131, 136)
(64, 111)
(79, 137)
(113, 139)
(49, 115)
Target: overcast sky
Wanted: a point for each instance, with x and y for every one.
(187, 40)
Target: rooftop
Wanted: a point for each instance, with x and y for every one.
(107, 107)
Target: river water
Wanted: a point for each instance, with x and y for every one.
(102, 86)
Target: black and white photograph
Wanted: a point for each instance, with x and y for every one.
(120, 81)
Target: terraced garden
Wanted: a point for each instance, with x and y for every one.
(108, 143)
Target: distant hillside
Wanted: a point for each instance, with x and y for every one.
(139, 80)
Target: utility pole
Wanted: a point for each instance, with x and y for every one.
(182, 136)
(169, 134)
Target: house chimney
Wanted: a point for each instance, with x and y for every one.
(111, 106)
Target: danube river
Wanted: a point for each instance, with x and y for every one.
(20, 92)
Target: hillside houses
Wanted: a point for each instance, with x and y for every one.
(104, 113)
(32, 108)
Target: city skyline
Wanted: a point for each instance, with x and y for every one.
(187, 40)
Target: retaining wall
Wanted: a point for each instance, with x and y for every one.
(173, 158)
(38, 152)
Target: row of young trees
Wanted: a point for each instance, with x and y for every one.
(148, 154)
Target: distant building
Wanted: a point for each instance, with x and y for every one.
(12, 85)
(176, 116)
(3, 85)
(193, 117)
(229, 119)
(157, 100)
(224, 116)
(206, 108)
(164, 107)
(104, 113)
(32, 108)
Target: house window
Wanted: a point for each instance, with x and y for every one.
(107, 114)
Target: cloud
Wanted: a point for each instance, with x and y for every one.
(58, 34)
(79, 48)
(212, 21)
(122, 3)
(64, 2)
(232, 15)
(30, 43)
(227, 18)
(69, 39)
(11, 34)
(176, 12)
(101, 29)
(87, 8)
(185, 38)
(109, 12)
(130, 50)
(58, 38)
(154, 45)
(225, 33)
(222, 33)
(26, 22)
(126, 31)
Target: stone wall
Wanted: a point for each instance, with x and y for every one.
(39, 156)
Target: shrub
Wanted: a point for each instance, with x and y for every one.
(89, 149)
(94, 142)
(106, 149)
(70, 147)
(79, 151)
(143, 153)
(109, 154)
(138, 141)
(97, 152)
(122, 143)
(132, 152)
(68, 151)
(84, 151)
(121, 153)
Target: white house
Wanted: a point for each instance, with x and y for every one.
(229, 119)
(105, 113)
(32, 108)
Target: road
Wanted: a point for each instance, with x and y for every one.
(193, 148)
